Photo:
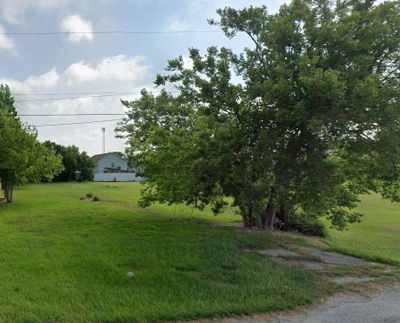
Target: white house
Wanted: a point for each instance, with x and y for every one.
(113, 167)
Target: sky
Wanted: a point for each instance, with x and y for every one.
(80, 72)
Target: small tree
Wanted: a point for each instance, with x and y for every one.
(23, 158)
(73, 160)
(304, 121)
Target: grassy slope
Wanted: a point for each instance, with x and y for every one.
(63, 259)
(377, 237)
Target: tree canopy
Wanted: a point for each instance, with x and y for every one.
(23, 158)
(73, 160)
(302, 122)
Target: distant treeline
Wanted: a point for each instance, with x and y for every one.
(73, 160)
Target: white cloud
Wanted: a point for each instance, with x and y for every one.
(119, 73)
(45, 80)
(86, 136)
(176, 24)
(111, 70)
(187, 62)
(120, 68)
(74, 23)
(6, 43)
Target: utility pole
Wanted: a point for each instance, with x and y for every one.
(103, 130)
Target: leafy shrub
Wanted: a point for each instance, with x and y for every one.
(95, 199)
(307, 225)
(89, 195)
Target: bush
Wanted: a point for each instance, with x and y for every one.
(307, 225)
(89, 195)
(95, 199)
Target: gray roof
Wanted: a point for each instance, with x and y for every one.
(100, 156)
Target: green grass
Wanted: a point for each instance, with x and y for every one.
(377, 237)
(65, 259)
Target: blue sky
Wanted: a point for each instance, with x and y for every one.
(97, 63)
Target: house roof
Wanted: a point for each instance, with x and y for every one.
(100, 156)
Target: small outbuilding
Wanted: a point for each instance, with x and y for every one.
(113, 167)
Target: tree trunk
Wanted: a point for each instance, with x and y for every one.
(246, 221)
(9, 192)
(270, 214)
(263, 218)
(282, 216)
(272, 219)
(257, 222)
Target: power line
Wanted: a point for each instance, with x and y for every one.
(92, 93)
(79, 93)
(70, 114)
(105, 32)
(74, 123)
(88, 96)
(70, 98)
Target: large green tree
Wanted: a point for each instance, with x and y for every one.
(73, 160)
(22, 158)
(305, 120)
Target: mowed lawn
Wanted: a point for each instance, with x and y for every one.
(65, 259)
(377, 237)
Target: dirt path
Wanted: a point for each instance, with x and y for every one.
(383, 307)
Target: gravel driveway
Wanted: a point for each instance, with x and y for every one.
(382, 307)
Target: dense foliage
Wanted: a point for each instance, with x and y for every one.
(302, 122)
(22, 158)
(73, 160)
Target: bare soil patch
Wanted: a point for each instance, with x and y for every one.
(394, 229)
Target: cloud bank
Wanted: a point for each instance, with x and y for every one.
(73, 24)
(115, 73)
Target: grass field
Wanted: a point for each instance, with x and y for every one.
(66, 259)
(377, 237)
